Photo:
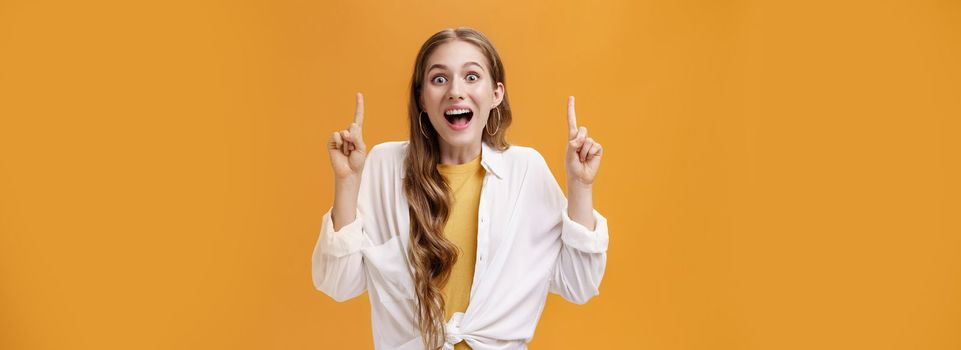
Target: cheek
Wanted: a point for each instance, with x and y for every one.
(433, 94)
(482, 92)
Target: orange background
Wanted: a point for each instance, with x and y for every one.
(777, 175)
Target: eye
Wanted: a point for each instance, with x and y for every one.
(440, 79)
(473, 77)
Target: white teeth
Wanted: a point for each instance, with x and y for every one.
(457, 111)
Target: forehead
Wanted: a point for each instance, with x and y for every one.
(454, 54)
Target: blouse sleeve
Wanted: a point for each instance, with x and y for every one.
(583, 257)
(337, 263)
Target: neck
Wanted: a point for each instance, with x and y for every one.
(459, 154)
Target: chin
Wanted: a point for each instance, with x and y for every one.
(462, 139)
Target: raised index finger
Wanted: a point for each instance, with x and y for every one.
(359, 113)
(571, 118)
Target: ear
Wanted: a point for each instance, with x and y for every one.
(499, 91)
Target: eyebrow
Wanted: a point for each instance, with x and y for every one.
(441, 66)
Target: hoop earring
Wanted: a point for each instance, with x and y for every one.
(421, 124)
(498, 112)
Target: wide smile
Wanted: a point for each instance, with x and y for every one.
(458, 119)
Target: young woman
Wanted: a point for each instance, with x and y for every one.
(456, 235)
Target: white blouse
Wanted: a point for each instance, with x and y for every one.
(527, 246)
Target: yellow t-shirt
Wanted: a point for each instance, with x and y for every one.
(465, 181)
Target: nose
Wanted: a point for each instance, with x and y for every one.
(455, 91)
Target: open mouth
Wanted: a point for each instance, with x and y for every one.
(459, 119)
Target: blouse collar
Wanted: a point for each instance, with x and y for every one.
(491, 159)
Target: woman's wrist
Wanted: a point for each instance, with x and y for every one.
(580, 206)
(346, 191)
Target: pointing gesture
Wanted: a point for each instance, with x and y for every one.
(347, 149)
(583, 154)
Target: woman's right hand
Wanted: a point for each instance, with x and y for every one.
(346, 147)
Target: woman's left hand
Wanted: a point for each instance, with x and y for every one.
(583, 153)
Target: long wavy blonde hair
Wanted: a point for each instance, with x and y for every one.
(431, 254)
